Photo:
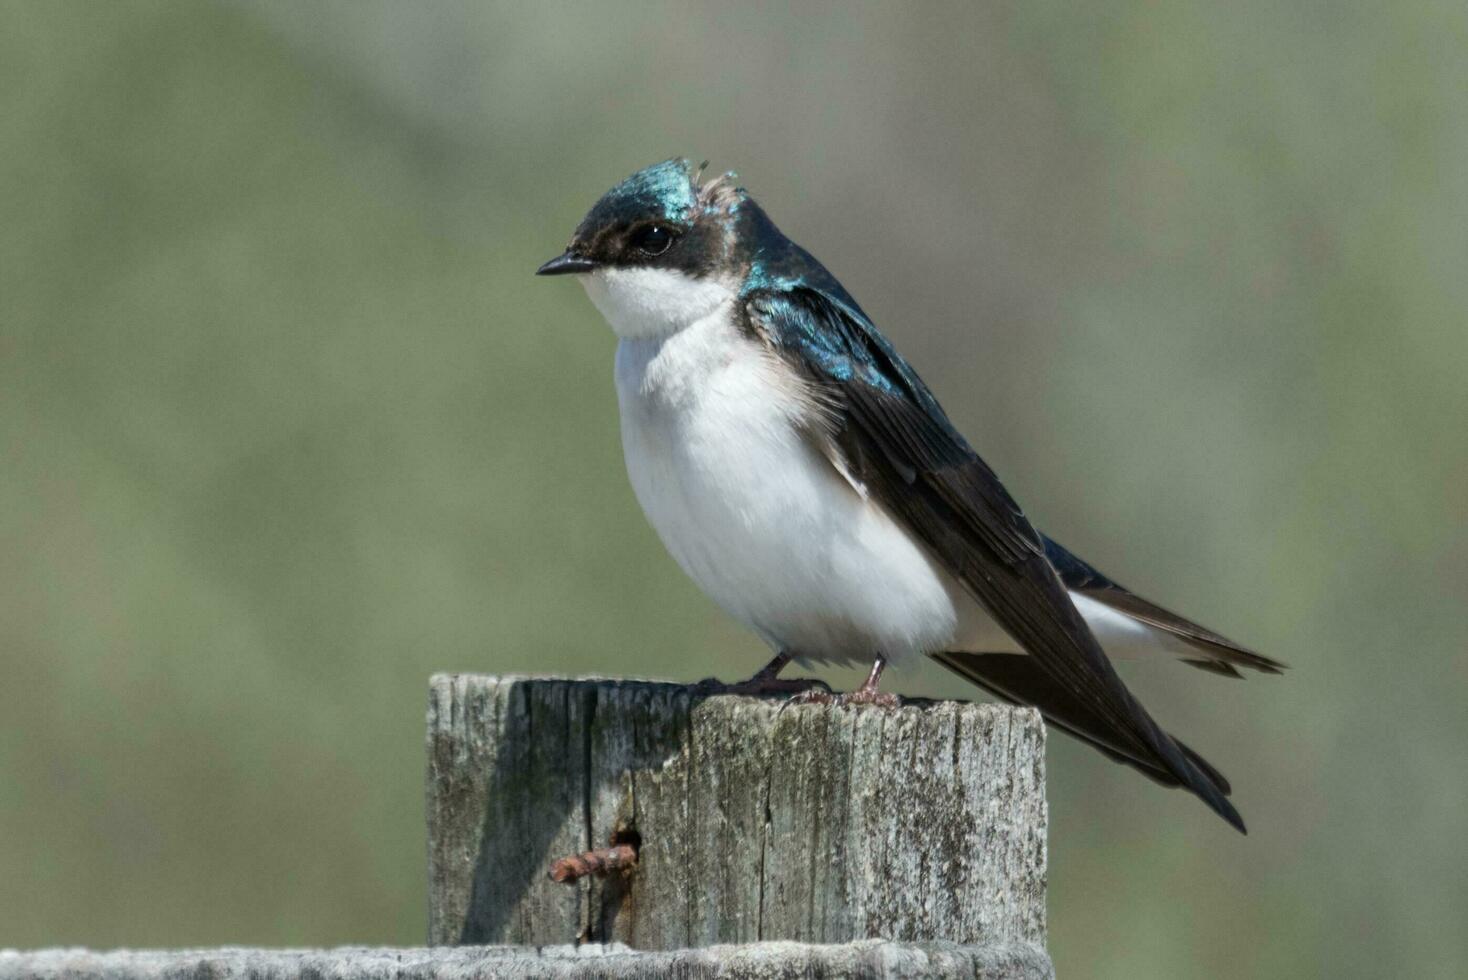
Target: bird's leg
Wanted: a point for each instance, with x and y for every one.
(868, 693)
(766, 680)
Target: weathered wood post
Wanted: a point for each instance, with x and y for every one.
(908, 843)
(753, 821)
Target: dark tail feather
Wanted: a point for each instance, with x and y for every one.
(1015, 677)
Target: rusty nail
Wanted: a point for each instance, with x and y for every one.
(602, 862)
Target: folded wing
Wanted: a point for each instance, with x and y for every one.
(885, 428)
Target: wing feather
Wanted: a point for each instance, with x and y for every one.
(916, 463)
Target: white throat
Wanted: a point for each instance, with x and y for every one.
(652, 302)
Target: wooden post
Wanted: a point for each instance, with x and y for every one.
(908, 843)
(754, 820)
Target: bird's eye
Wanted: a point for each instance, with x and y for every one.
(654, 240)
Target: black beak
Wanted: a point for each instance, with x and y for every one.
(565, 264)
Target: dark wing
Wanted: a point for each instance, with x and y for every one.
(892, 435)
(1217, 653)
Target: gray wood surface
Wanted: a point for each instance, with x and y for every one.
(758, 821)
(763, 961)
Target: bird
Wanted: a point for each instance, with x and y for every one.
(804, 476)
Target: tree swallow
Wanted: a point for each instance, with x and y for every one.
(804, 476)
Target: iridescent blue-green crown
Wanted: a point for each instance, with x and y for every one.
(671, 189)
(666, 189)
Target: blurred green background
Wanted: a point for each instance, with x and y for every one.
(287, 424)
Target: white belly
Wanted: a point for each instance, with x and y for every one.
(772, 532)
(757, 517)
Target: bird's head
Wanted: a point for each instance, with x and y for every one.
(658, 251)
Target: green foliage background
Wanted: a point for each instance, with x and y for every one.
(286, 424)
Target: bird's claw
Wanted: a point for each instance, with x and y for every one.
(862, 695)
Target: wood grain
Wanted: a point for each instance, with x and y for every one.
(757, 820)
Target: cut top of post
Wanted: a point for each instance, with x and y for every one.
(750, 819)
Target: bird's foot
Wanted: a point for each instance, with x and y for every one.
(866, 694)
(767, 680)
(862, 695)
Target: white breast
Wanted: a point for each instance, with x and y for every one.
(754, 513)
